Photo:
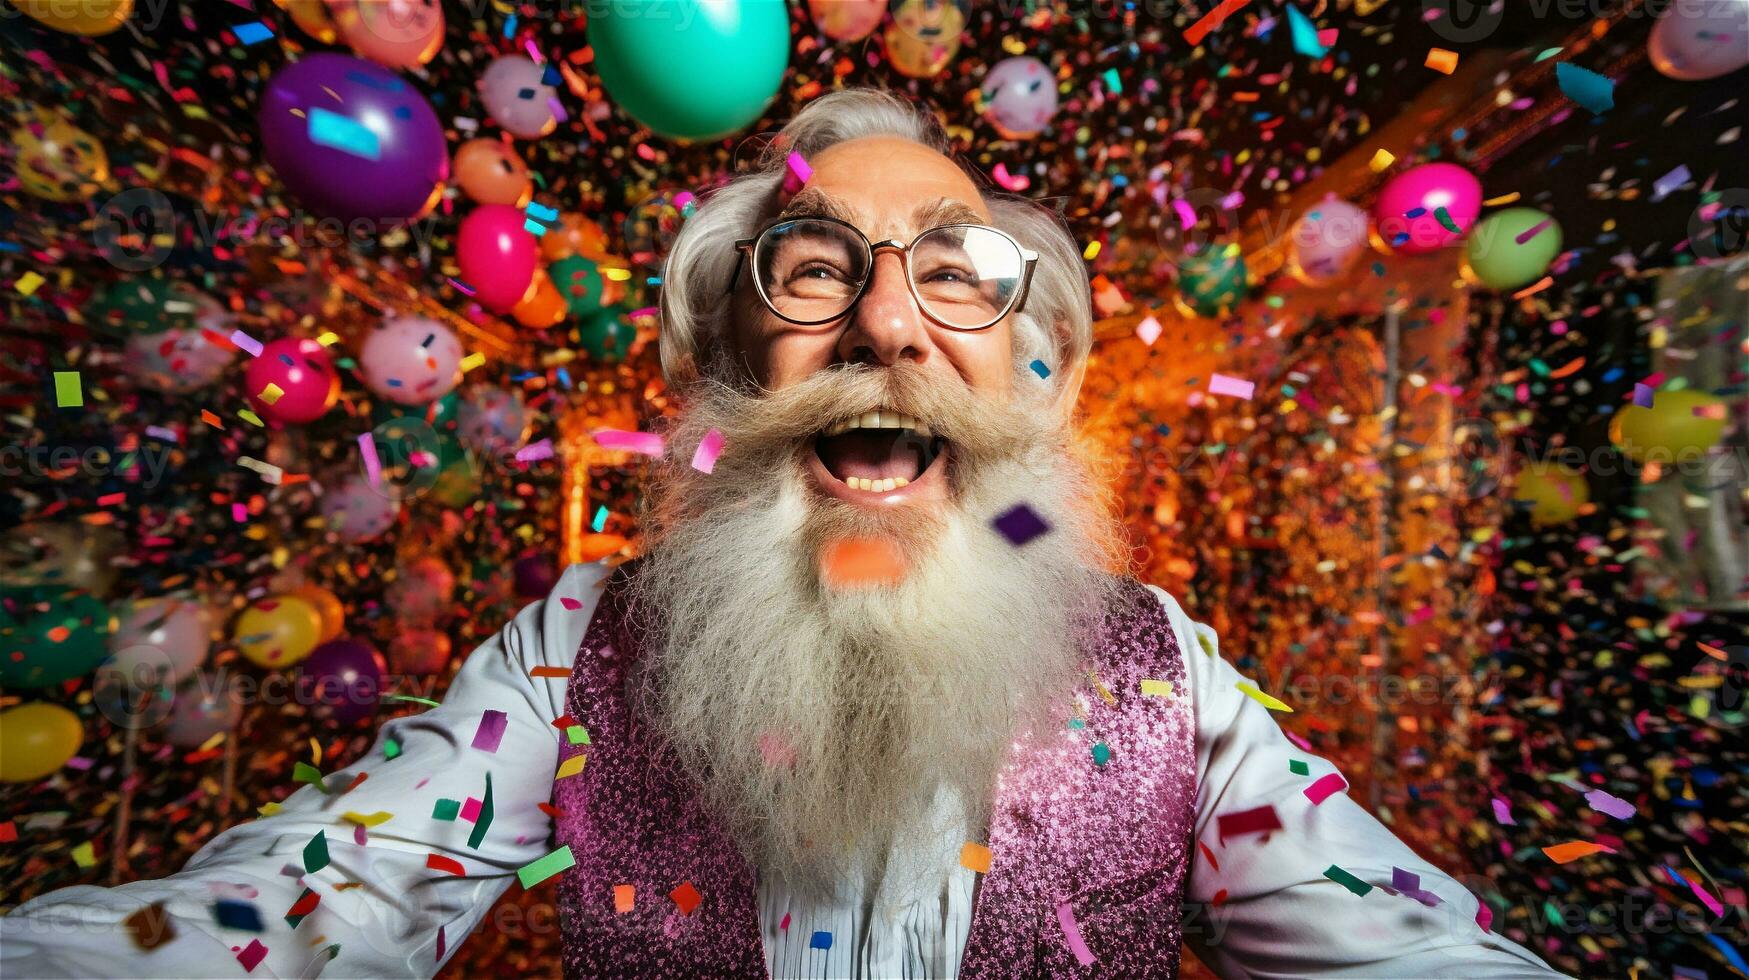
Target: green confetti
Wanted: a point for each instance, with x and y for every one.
(577, 734)
(1445, 221)
(391, 748)
(1298, 767)
(485, 820)
(1101, 754)
(446, 809)
(409, 697)
(316, 853)
(1347, 880)
(69, 392)
(535, 872)
(303, 772)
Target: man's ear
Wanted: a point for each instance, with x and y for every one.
(1071, 371)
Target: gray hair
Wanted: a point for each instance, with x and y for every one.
(1055, 328)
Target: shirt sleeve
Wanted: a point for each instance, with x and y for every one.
(401, 886)
(1264, 905)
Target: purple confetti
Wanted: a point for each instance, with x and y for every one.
(246, 342)
(1503, 813)
(1666, 185)
(1020, 524)
(1615, 806)
(1642, 395)
(535, 451)
(491, 730)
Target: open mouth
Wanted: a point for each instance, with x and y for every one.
(878, 452)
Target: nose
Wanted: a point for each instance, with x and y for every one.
(886, 326)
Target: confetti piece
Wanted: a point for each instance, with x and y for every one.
(366, 819)
(1442, 61)
(1020, 524)
(535, 451)
(571, 767)
(1503, 813)
(849, 562)
(491, 730)
(28, 283)
(252, 33)
(976, 857)
(1156, 689)
(246, 343)
(1591, 90)
(624, 898)
(543, 868)
(8, 832)
(1381, 161)
(1668, 184)
(305, 904)
(577, 735)
(709, 448)
(1258, 820)
(796, 173)
(150, 927)
(820, 940)
(1298, 767)
(1304, 33)
(550, 672)
(1533, 231)
(391, 748)
(337, 132)
(1213, 19)
(646, 443)
(1444, 218)
(599, 521)
(316, 853)
(1072, 935)
(1347, 880)
(272, 393)
(1221, 384)
(686, 897)
(1039, 368)
(438, 862)
(1330, 782)
(1574, 850)
(1149, 330)
(69, 391)
(233, 914)
(415, 700)
(303, 772)
(1610, 804)
(1269, 701)
(1484, 916)
(482, 816)
(84, 855)
(252, 955)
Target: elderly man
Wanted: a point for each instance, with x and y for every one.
(870, 705)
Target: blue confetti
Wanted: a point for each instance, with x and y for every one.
(1038, 368)
(252, 33)
(333, 130)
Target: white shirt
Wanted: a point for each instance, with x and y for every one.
(1280, 917)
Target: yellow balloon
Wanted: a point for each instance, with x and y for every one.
(327, 605)
(278, 631)
(36, 739)
(58, 161)
(87, 17)
(924, 36)
(1670, 431)
(1555, 493)
(312, 16)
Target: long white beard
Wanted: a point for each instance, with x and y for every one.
(828, 725)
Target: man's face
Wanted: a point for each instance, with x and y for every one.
(888, 188)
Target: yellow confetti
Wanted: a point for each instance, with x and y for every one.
(571, 766)
(28, 283)
(267, 809)
(1494, 202)
(616, 275)
(1158, 689)
(367, 820)
(472, 361)
(84, 856)
(249, 417)
(315, 751)
(1268, 701)
(1100, 689)
(1382, 159)
(271, 393)
(328, 339)
(1091, 252)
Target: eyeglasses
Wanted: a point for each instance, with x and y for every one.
(813, 270)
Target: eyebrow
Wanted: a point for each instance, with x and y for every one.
(813, 203)
(945, 211)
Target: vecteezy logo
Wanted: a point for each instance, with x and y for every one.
(1720, 227)
(136, 229)
(1463, 21)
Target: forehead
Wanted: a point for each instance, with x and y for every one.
(883, 184)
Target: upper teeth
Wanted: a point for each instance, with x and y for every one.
(879, 420)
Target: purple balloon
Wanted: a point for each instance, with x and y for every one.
(376, 154)
(535, 576)
(341, 681)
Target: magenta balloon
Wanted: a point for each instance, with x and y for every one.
(341, 681)
(411, 360)
(1408, 209)
(497, 255)
(1701, 39)
(353, 140)
(307, 381)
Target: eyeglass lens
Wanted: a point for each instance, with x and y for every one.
(811, 270)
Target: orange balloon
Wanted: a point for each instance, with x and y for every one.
(312, 17)
(327, 606)
(490, 172)
(542, 306)
(574, 235)
(392, 33)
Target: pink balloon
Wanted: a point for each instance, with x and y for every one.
(497, 256)
(1700, 39)
(515, 93)
(847, 20)
(1326, 241)
(419, 650)
(1408, 209)
(411, 360)
(307, 382)
(358, 511)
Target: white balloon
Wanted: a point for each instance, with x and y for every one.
(167, 636)
(1701, 39)
(411, 360)
(514, 93)
(358, 511)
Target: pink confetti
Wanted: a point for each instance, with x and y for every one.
(1014, 183)
(491, 730)
(239, 513)
(159, 432)
(1072, 933)
(647, 443)
(1148, 330)
(442, 943)
(252, 955)
(569, 603)
(246, 342)
(534, 52)
(359, 835)
(797, 173)
(1297, 740)
(645, 311)
(1186, 213)
(1221, 384)
(367, 447)
(1484, 915)
(535, 451)
(471, 810)
(78, 762)
(709, 448)
(1328, 783)
(1615, 806)
(1713, 905)
(1503, 813)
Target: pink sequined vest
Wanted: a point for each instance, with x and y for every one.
(1091, 833)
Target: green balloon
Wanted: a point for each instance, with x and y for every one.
(149, 304)
(48, 636)
(1497, 257)
(606, 336)
(442, 419)
(691, 69)
(579, 281)
(1213, 282)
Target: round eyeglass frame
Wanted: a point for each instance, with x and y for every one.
(745, 247)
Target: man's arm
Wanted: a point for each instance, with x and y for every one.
(1280, 915)
(384, 902)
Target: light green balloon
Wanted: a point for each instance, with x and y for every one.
(691, 69)
(1495, 255)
